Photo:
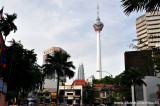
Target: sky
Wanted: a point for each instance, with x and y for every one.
(69, 24)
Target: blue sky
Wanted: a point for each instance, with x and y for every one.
(69, 24)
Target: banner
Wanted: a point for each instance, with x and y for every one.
(1, 85)
(4, 88)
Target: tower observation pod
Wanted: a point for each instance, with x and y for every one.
(98, 26)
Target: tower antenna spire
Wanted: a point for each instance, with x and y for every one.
(97, 10)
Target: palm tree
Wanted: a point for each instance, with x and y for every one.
(59, 64)
(139, 5)
(7, 24)
(132, 77)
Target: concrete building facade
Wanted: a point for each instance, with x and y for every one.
(101, 92)
(45, 96)
(141, 60)
(51, 51)
(72, 94)
(148, 30)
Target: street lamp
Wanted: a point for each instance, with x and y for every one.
(109, 81)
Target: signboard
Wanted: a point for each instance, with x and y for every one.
(53, 95)
(1, 85)
(5, 88)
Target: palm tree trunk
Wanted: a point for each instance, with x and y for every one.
(57, 97)
(134, 93)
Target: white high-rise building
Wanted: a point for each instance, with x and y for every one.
(98, 25)
(80, 74)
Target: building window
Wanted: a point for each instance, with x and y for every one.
(103, 94)
(78, 101)
(69, 93)
(61, 92)
(78, 92)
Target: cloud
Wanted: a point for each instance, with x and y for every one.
(69, 24)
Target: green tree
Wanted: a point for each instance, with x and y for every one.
(7, 24)
(122, 87)
(125, 91)
(139, 5)
(88, 97)
(106, 80)
(60, 65)
(156, 58)
(22, 73)
(132, 77)
(118, 79)
(110, 100)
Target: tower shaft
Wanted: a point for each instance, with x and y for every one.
(99, 71)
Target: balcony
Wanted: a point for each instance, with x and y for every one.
(154, 31)
(153, 22)
(153, 18)
(153, 26)
(142, 32)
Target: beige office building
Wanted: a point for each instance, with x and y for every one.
(51, 52)
(148, 30)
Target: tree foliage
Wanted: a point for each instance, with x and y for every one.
(22, 73)
(140, 5)
(60, 65)
(88, 97)
(108, 80)
(124, 80)
(156, 58)
(7, 24)
(130, 77)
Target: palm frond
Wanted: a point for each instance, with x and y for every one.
(7, 24)
(60, 63)
(140, 5)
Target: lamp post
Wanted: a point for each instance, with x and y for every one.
(109, 81)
